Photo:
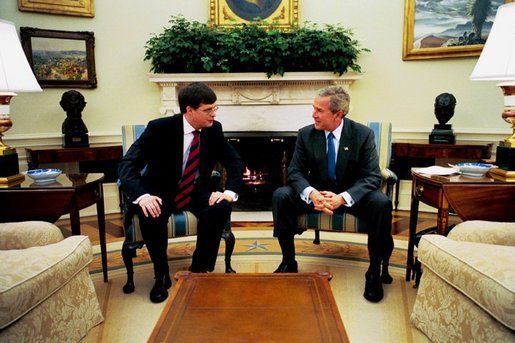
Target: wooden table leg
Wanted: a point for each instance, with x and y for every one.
(102, 230)
(443, 217)
(413, 219)
(74, 217)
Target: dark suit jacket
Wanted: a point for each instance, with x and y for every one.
(159, 150)
(357, 165)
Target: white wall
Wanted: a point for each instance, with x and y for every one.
(391, 89)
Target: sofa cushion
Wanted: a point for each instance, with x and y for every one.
(501, 233)
(487, 277)
(29, 276)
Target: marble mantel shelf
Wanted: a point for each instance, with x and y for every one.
(241, 89)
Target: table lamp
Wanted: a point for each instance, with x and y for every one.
(497, 63)
(15, 76)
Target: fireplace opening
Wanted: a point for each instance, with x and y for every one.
(266, 156)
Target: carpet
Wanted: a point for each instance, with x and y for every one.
(131, 317)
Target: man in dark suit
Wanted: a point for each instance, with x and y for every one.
(162, 152)
(352, 186)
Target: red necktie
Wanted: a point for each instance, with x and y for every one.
(183, 196)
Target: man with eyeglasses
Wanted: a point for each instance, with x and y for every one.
(178, 154)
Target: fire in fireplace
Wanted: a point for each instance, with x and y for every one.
(266, 156)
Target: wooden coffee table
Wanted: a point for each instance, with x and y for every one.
(220, 307)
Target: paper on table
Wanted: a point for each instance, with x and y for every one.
(437, 170)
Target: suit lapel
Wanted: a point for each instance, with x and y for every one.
(344, 149)
(320, 150)
(177, 135)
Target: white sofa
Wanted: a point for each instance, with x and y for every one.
(46, 292)
(467, 290)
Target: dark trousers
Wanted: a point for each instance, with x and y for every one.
(211, 221)
(375, 209)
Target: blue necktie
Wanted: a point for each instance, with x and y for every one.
(331, 157)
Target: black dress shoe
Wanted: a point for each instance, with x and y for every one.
(195, 269)
(386, 278)
(287, 268)
(158, 293)
(373, 287)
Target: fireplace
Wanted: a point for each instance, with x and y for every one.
(260, 116)
(266, 156)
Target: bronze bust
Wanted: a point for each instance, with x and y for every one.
(444, 107)
(74, 130)
(444, 111)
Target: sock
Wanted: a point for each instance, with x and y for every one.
(287, 247)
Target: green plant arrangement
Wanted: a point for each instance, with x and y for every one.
(193, 47)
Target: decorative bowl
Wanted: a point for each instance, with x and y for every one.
(43, 175)
(472, 169)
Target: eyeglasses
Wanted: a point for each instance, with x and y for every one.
(210, 110)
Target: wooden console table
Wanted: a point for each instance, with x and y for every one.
(471, 198)
(94, 159)
(409, 154)
(263, 307)
(48, 202)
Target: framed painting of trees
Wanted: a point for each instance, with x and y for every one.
(445, 29)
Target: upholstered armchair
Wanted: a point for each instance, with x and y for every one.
(467, 290)
(181, 223)
(347, 222)
(46, 292)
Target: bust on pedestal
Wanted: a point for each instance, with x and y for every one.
(74, 130)
(444, 110)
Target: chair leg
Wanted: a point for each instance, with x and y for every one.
(228, 236)
(317, 237)
(417, 272)
(128, 252)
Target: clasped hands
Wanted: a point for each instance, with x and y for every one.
(151, 204)
(326, 201)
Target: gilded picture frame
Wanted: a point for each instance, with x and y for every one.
(60, 59)
(282, 13)
(82, 8)
(433, 29)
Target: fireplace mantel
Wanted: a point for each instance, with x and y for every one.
(252, 101)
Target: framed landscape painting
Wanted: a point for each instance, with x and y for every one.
(282, 13)
(82, 8)
(444, 29)
(60, 59)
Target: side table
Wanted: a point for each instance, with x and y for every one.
(408, 154)
(49, 201)
(94, 159)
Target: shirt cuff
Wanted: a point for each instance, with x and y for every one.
(232, 194)
(135, 202)
(304, 195)
(348, 199)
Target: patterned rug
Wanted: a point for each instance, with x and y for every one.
(132, 317)
(259, 242)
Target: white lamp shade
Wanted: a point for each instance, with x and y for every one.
(497, 60)
(15, 72)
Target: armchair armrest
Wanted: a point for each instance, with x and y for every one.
(480, 231)
(22, 235)
(389, 180)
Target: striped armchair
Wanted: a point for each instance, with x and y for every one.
(347, 222)
(182, 223)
